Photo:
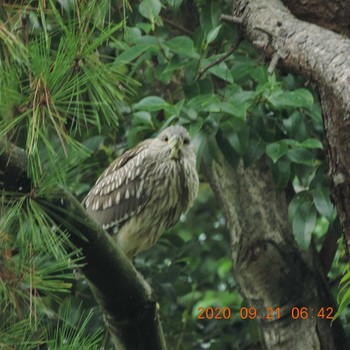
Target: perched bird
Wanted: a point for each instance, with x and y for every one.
(145, 191)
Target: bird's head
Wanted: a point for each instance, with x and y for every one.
(175, 143)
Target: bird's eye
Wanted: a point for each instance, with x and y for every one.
(186, 141)
(165, 138)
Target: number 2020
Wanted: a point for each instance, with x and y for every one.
(216, 313)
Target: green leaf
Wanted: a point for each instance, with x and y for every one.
(213, 33)
(143, 117)
(209, 14)
(202, 147)
(205, 103)
(135, 134)
(294, 204)
(232, 124)
(182, 45)
(301, 156)
(241, 71)
(239, 139)
(176, 64)
(131, 53)
(243, 97)
(220, 70)
(146, 27)
(175, 4)
(277, 149)
(323, 203)
(132, 34)
(344, 293)
(281, 172)
(316, 117)
(151, 104)
(297, 98)
(260, 74)
(224, 266)
(312, 143)
(239, 111)
(213, 147)
(255, 149)
(150, 9)
(344, 302)
(227, 150)
(200, 87)
(213, 298)
(304, 222)
(92, 143)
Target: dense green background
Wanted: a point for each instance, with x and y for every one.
(79, 85)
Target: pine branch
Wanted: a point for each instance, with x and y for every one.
(125, 297)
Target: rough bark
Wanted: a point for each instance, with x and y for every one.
(333, 15)
(268, 266)
(125, 298)
(324, 57)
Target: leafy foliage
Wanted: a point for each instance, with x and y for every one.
(83, 81)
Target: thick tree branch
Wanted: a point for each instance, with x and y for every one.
(126, 299)
(322, 56)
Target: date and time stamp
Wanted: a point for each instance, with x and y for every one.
(269, 313)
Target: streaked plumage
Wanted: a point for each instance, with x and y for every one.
(145, 191)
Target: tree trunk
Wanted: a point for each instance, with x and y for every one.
(268, 266)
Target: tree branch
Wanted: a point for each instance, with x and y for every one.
(219, 60)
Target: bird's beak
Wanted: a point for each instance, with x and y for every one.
(174, 144)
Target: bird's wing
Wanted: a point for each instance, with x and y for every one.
(120, 192)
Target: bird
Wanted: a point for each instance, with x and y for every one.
(145, 191)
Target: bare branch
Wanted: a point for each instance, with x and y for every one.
(273, 63)
(221, 59)
(230, 18)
